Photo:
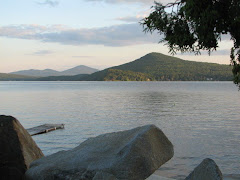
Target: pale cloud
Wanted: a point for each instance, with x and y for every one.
(135, 19)
(29, 31)
(49, 3)
(130, 19)
(117, 35)
(83, 56)
(42, 53)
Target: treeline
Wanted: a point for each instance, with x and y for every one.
(120, 75)
(13, 77)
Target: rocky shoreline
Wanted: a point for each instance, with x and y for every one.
(132, 154)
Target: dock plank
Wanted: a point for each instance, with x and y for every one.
(45, 128)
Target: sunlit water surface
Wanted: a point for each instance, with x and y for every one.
(201, 119)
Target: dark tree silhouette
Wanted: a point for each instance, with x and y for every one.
(195, 25)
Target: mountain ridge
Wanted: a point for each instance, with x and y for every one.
(151, 67)
(167, 68)
(81, 69)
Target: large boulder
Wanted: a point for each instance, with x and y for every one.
(17, 149)
(207, 170)
(132, 154)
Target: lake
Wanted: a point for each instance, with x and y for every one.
(201, 119)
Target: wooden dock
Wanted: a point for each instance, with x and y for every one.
(45, 128)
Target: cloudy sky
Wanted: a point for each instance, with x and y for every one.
(60, 34)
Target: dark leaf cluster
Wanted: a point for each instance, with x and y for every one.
(195, 25)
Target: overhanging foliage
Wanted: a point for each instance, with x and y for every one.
(195, 25)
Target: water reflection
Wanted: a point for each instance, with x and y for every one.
(200, 118)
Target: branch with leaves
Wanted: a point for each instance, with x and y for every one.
(196, 25)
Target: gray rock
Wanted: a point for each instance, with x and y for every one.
(132, 154)
(104, 176)
(17, 149)
(157, 177)
(207, 170)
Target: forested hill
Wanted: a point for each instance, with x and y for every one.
(13, 77)
(167, 68)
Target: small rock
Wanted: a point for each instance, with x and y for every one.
(17, 149)
(133, 154)
(207, 170)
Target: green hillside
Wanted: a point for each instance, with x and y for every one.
(13, 77)
(167, 68)
(120, 75)
(117, 75)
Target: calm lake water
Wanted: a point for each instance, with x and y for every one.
(201, 119)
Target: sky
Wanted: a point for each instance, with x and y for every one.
(61, 34)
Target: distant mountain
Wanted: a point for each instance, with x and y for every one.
(13, 77)
(161, 67)
(50, 72)
(79, 70)
(37, 73)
